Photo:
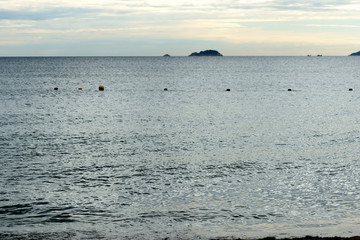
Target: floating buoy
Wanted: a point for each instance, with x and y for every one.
(350, 89)
(228, 89)
(79, 88)
(165, 89)
(289, 89)
(55, 88)
(101, 88)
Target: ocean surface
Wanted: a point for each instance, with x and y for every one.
(194, 162)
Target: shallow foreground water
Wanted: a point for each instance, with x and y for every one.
(193, 162)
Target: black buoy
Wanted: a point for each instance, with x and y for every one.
(55, 88)
(289, 89)
(228, 89)
(350, 89)
(101, 88)
(79, 88)
(165, 89)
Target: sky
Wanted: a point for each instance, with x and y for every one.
(179, 27)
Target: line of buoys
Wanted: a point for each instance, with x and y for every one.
(289, 89)
(80, 88)
(102, 88)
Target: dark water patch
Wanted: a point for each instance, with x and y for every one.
(236, 216)
(60, 218)
(152, 215)
(18, 209)
(55, 209)
(259, 216)
(37, 236)
(287, 166)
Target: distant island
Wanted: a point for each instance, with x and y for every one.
(206, 53)
(355, 54)
(166, 55)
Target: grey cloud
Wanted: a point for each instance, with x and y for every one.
(304, 5)
(320, 5)
(43, 14)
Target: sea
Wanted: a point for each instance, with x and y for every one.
(179, 147)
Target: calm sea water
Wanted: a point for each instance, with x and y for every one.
(193, 162)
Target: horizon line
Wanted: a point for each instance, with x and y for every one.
(34, 56)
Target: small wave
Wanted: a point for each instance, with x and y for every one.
(61, 218)
(55, 209)
(17, 209)
(37, 236)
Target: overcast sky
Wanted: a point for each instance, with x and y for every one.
(178, 27)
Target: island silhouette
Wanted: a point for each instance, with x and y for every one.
(355, 54)
(206, 53)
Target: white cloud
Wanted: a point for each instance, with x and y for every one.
(333, 26)
(15, 24)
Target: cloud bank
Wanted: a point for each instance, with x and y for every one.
(153, 27)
